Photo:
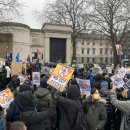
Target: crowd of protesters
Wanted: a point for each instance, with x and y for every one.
(45, 108)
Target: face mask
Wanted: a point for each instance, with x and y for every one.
(96, 97)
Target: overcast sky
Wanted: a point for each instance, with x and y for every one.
(29, 18)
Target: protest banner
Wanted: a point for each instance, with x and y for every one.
(36, 78)
(117, 79)
(60, 77)
(22, 79)
(109, 70)
(85, 87)
(6, 97)
(16, 68)
(119, 49)
(122, 71)
(128, 84)
(96, 71)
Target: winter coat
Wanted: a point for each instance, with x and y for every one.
(124, 107)
(13, 113)
(67, 112)
(32, 119)
(44, 97)
(105, 94)
(95, 114)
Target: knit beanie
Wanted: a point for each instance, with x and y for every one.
(73, 92)
(43, 82)
(24, 87)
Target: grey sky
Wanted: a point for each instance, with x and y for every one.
(29, 18)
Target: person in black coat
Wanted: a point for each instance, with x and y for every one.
(29, 115)
(13, 112)
(67, 107)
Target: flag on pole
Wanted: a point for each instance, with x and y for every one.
(8, 58)
(17, 58)
(28, 59)
(42, 56)
(38, 53)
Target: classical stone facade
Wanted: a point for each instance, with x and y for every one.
(91, 48)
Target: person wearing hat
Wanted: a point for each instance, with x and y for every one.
(45, 98)
(67, 107)
(28, 113)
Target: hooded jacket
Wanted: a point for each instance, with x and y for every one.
(67, 108)
(95, 114)
(45, 98)
(124, 107)
(32, 119)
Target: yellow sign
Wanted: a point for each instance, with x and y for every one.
(6, 97)
(60, 77)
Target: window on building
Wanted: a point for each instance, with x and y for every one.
(106, 60)
(106, 50)
(93, 50)
(100, 43)
(111, 51)
(111, 60)
(82, 59)
(93, 60)
(93, 43)
(101, 50)
(82, 50)
(88, 43)
(83, 42)
(88, 60)
(88, 51)
(101, 59)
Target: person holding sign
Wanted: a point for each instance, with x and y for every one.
(95, 111)
(123, 106)
(68, 107)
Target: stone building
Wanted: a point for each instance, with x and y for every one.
(94, 48)
(54, 41)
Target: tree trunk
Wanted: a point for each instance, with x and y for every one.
(74, 49)
(115, 56)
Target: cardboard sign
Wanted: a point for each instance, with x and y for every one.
(122, 71)
(60, 77)
(22, 79)
(85, 87)
(36, 78)
(16, 68)
(117, 79)
(96, 71)
(6, 97)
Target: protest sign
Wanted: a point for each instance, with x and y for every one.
(117, 79)
(128, 84)
(96, 71)
(85, 87)
(6, 97)
(119, 49)
(60, 77)
(22, 79)
(109, 70)
(36, 78)
(122, 71)
(16, 68)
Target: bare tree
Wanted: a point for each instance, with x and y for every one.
(9, 9)
(71, 12)
(112, 18)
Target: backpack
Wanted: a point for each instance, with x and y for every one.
(80, 123)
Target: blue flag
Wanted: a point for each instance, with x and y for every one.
(17, 58)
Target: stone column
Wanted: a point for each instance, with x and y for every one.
(47, 49)
(68, 50)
